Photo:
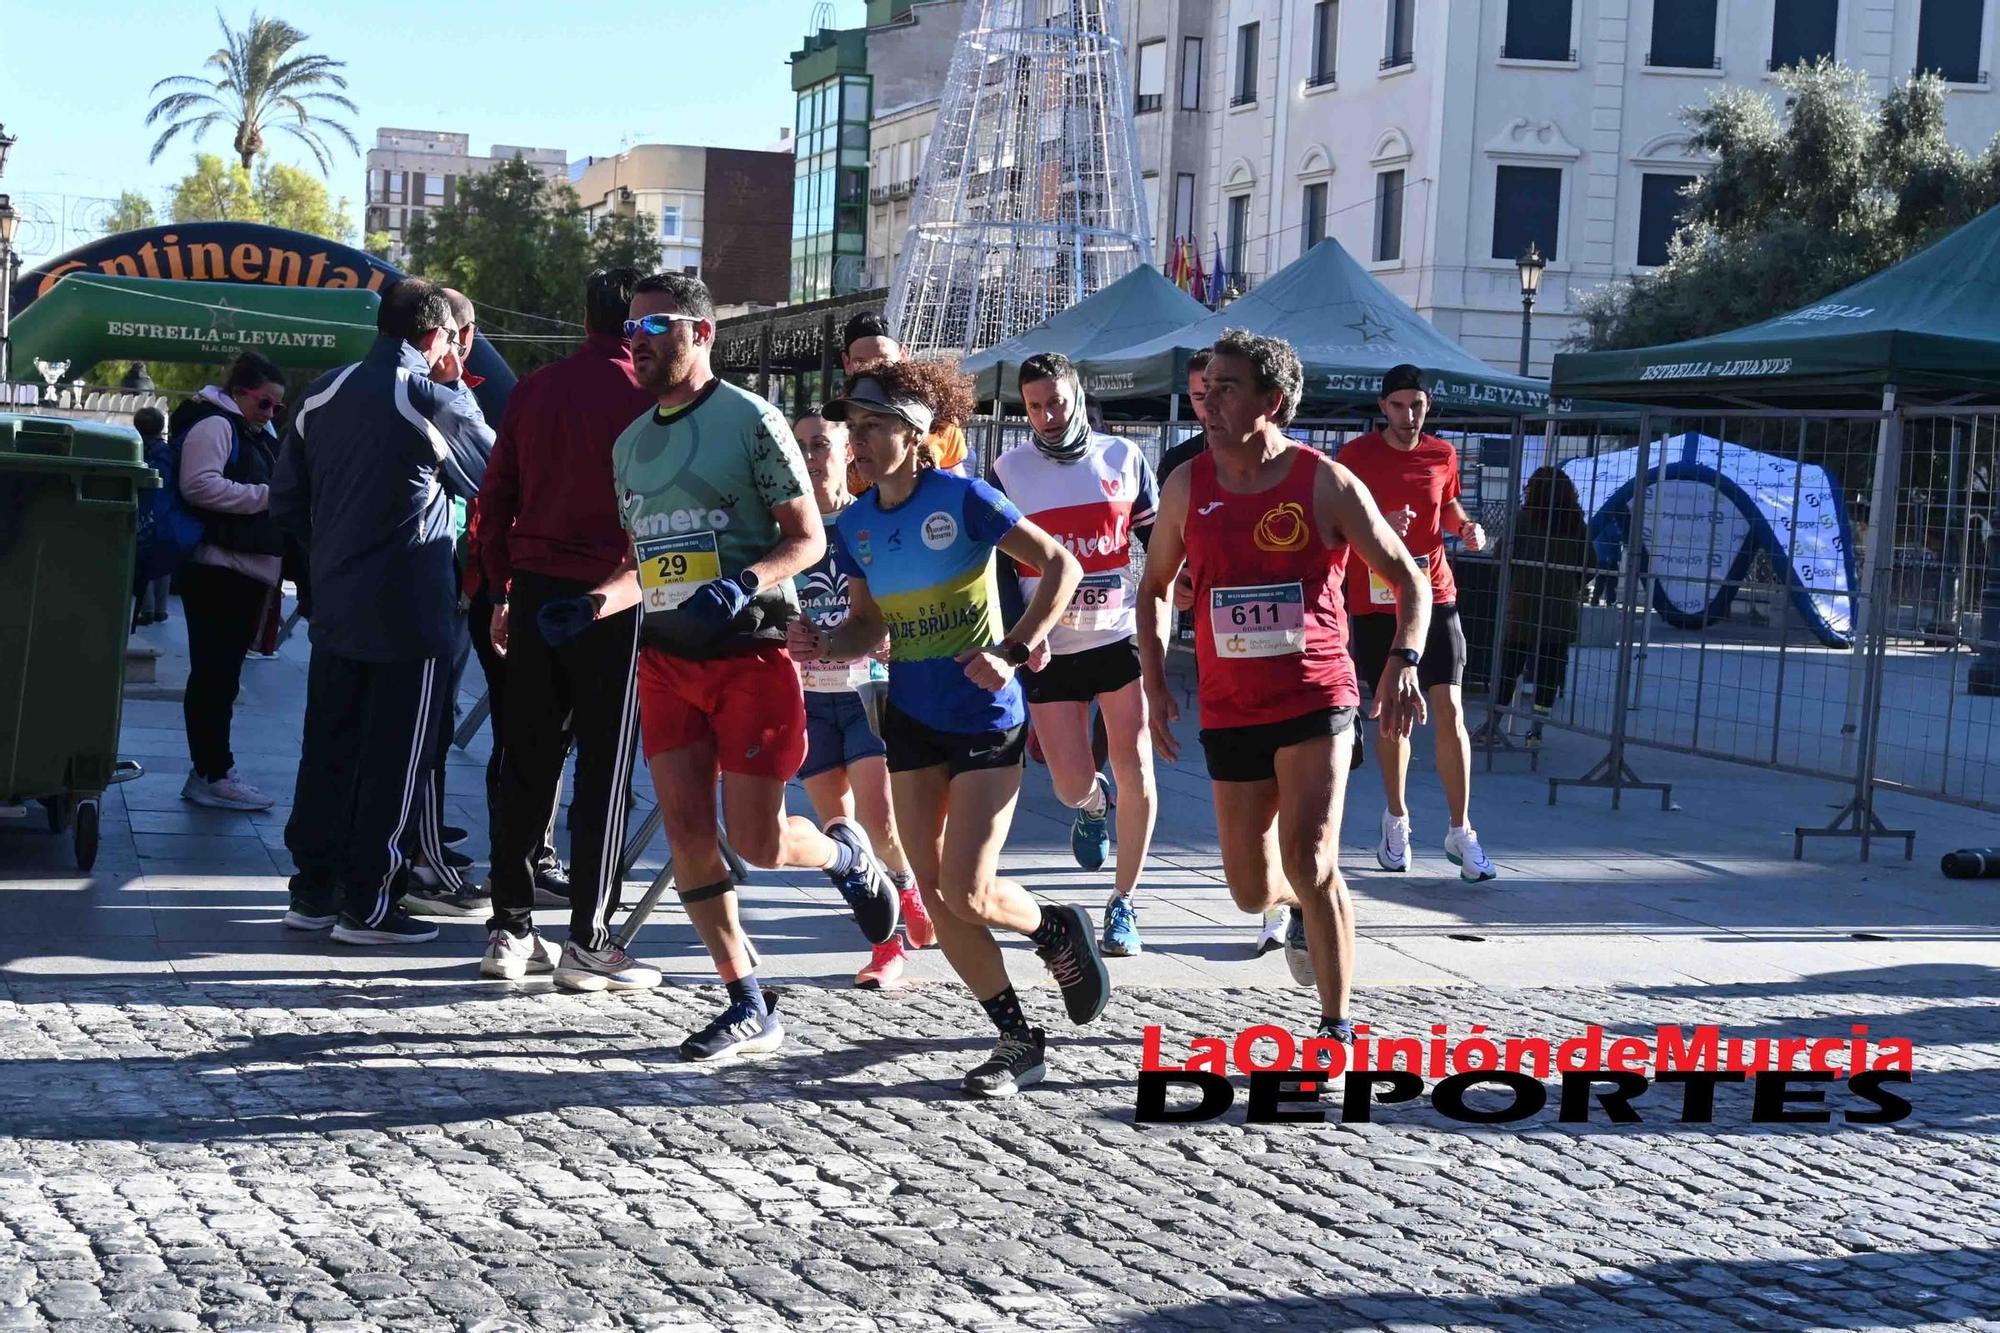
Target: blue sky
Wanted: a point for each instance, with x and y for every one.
(75, 79)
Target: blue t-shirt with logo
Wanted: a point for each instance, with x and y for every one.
(928, 563)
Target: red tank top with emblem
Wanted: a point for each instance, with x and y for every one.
(1270, 638)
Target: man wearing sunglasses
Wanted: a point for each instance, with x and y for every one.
(226, 459)
(548, 530)
(365, 479)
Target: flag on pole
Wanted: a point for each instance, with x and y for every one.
(1198, 286)
(1182, 272)
(1218, 280)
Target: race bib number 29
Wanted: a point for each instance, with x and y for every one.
(671, 568)
(1268, 620)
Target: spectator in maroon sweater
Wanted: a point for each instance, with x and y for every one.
(549, 529)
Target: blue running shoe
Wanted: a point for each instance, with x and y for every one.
(741, 1029)
(1121, 928)
(870, 893)
(1090, 836)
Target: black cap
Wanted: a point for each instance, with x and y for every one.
(1405, 376)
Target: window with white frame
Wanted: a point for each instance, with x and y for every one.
(1401, 46)
(1184, 204)
(1538, 30)
(1683, 35)
(1152, 84)
(1527, 209)
(1388, 216)
(1246, 65)
(1190, 73)
(1661, 203)
(1312, 216)
(670, 222)
(1950, 34)
(1802, 31)
(1326, 43)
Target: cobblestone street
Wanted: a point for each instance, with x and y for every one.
(419, 1156)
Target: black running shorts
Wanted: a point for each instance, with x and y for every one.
(1443, 662)
(913, 745)
(1081, 677)
(1250, 754)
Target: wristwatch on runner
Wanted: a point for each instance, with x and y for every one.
(1017, 653)
(748, 581)
(1410, 655)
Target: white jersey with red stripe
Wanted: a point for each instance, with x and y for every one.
(1091, 507)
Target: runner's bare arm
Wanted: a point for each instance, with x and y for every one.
(619, 592)
(1467, 527)
(1165, 555)
(861, 632)
(1346, 512)
(1060, 573)
(801, 541)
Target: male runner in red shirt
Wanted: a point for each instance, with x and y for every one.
(1414, 479)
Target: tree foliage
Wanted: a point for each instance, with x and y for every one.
(284, 196)
(520, 246)
(261, 82)
(132, 211)
(1801, 202)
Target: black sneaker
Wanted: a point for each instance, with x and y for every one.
(878, 908)
(399, 927)
(454, 836)
(1077, 964)
(1016, 1063)
(314, 904)
(551, 884)
(738, 1030)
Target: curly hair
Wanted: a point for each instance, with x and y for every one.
(936, 384)
(1273, 362)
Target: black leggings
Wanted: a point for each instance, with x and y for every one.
(223, 610)
(1551, 670)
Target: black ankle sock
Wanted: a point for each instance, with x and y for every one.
(1050, 932)
(1005, 1011)
(746, 990)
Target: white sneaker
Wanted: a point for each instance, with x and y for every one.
(1462, 849)
(225, 793)
(1272, 936)
(603, 969)
(510, 959)
(1393, 852)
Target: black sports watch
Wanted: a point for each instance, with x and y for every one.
(1410, 655)
(1017, 653)
(749, 582)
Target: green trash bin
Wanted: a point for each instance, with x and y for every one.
(69, 510)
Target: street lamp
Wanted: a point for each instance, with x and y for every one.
(1531, 265)
(9, 219)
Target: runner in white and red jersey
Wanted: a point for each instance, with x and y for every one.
(1090, 492)
(1264, 527)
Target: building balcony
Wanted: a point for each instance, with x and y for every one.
(1243, 99)
(879, 195)
(1398, 59)
(1322, 79)
(1537, 53)
(1680, 62)
(1145, 102)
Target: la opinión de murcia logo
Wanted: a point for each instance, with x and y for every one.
(1672, 1076)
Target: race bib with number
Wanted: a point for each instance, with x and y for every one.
(671, 568)
(1098, 603)
(1381, 592)
(1268, 620)
(834, 677)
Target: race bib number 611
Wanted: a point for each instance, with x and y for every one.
(1267, 620)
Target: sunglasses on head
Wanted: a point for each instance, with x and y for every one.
(654, 325)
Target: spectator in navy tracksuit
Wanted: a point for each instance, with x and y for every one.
(374, 454)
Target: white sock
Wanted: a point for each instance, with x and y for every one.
(1097, 802)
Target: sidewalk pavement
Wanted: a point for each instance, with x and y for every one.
(206, 1124)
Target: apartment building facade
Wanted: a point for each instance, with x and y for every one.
(411, 172)
(721, 213)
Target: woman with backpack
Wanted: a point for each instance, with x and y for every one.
(224, 474)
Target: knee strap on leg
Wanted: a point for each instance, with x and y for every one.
(705, 892)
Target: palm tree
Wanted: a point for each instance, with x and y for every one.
(260, 85)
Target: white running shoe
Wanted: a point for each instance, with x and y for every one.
(603, 969)
(509, 958)
(1393, 852)
(1462, 849)
(1272, 936)
(225, 793)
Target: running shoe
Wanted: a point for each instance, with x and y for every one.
(738, 1030)
(1462, 849)
(453, 836)
(227, 792)
(434, 900)
(1121, 928)
(314, 905)
(609, 968)
(511, 957)
(551, 884)
(885, 967)
(1393, 852)
(1336, 1029)
(1272, 936)
(867, 887)
(1298, 955)
(428, 875)
(1090, 835)
(1016, 1063)
(1076, 964)
(918, 927)
(398, 927)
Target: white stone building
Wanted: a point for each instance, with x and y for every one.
(1436, 138)
(413, 171)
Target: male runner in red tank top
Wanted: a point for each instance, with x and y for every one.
(1264, 527)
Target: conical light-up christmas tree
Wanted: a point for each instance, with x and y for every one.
(1029, 199)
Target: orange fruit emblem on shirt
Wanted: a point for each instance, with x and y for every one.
(1282, 529)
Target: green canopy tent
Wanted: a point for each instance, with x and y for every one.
(88, 318)
(1347, 327)
(1138, 307)
(1929, 326)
